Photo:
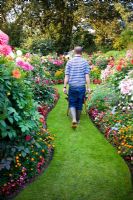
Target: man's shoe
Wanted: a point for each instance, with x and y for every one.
(74, 124)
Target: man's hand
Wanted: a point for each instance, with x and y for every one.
(88, 90)
(65, 90)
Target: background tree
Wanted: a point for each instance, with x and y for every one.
(53, 20)
(108, 19)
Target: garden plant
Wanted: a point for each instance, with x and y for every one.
(111, 105)
(25, 143)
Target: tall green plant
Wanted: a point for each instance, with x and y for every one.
(18, 110)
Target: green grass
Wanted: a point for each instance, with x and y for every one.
(84, 167)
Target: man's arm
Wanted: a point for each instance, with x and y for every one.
(65, 83)
(88, 82)
(66, 79)
(87, 77)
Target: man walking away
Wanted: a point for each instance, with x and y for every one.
(77, 76)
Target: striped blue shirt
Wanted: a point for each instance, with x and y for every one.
(76, 69)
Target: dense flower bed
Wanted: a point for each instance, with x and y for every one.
(25, 100)
(111, 105)
(98, 61)
(50, 68)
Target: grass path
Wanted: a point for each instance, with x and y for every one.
(84, 167)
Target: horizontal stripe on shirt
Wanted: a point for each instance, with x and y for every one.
(76, 69)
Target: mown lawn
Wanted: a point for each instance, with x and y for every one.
(84, 167)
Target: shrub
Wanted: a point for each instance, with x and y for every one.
(101, 61)
(103, 97)
(125, 39)
(43, 47)
(17, 106)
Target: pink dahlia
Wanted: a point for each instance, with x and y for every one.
(105, 73)
(27, 55)
(24, 65)
(58, 62)
(5, 49)
(126, 86)
(129, 53)
(3, 38)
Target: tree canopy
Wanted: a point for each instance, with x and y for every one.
(62, 20)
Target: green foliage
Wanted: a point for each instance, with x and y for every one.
(38, 63)
(103, 97)
(23, 158)
(116, 54)
(119, 76)
(37, 45)
(85, 39)
(111, 105)
(16, 34)
(17, 106)
(48, 68)
(53, 65)
(43, 94)
(127, 37)
(124, 40)
(24, 104)
(99, 59)
(95, 73)
(43, 47)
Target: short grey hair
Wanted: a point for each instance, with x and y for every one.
(78, 50)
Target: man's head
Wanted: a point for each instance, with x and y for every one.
(78, 50)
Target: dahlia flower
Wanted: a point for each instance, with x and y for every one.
(129, 53)
(58, 62)
(5, 49)
(119, 68)
(105, 73)
(19, 53)
(24, 65)
(28, 138)
(126, 86)
(12, 55)
(27, 55)
(16, 73)
(3, 38)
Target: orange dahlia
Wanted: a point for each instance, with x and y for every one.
(16, 73)
(119, 68)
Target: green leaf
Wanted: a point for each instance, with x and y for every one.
(20, 148)
(3, 123)
(27, 150)
(4, 133)
(16, 116)
(11, 110)
(23, 154)
(24, 128)
(12, 133)
(10, 120)
(38, 145)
